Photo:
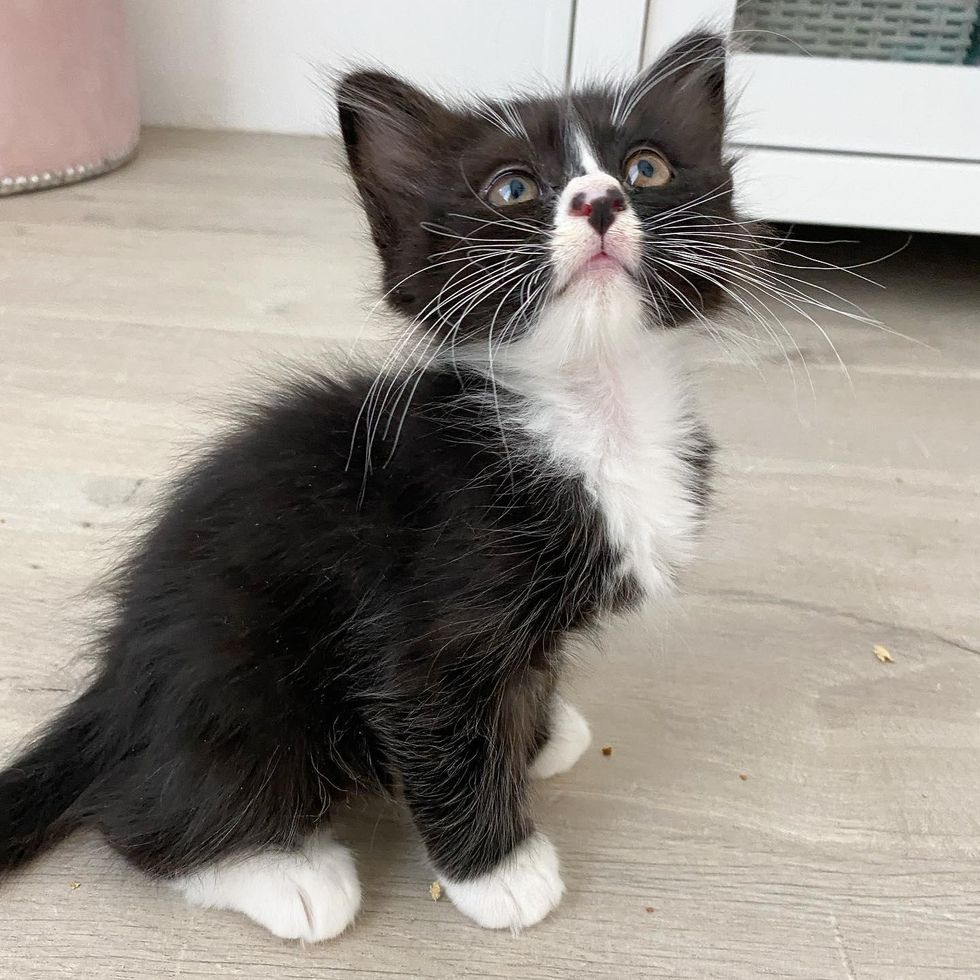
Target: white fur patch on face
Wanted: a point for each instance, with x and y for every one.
(568, 739)
(519, 892)
(575, 243)
(311, 894)
(588, 163)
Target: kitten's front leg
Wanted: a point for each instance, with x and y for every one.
(520, 890)
(467, 787)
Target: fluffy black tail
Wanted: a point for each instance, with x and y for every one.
(38, 791)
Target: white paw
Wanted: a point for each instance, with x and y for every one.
(310, 894)
(520, 891)
(569, 738)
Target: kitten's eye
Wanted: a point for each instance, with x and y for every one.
(647, 168)
(512, 187)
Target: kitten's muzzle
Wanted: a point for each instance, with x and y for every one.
(599, 208)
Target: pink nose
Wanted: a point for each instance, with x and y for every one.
(600, 208)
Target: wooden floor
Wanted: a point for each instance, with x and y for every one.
(777, 802)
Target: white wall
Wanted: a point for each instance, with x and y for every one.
(253, 64)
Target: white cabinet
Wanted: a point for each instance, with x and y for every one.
(881, 144)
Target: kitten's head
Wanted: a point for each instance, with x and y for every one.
(484, 214)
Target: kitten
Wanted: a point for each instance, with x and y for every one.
(371, 582)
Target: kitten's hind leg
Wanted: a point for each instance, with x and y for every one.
(568, 738)
(310, 893)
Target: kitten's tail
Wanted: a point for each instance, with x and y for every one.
(39, 789)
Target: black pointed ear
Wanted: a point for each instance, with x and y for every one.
(691, 75)
(391, 130)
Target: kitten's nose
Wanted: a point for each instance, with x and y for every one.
(599, 205)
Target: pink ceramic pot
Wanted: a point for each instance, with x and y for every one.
(68, 98)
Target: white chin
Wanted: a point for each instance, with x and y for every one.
(599, 276)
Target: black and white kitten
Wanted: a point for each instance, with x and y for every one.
(371, 582)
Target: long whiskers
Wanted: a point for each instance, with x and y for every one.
(480, 268)
(756, 269)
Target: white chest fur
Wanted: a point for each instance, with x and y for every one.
(608, 401)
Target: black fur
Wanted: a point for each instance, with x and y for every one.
(279, 644)
(317, 612)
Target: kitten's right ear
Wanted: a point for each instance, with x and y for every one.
(391, 130)
(690, 78)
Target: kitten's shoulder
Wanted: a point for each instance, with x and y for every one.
(340, 418)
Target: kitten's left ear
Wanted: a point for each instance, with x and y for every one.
(390, 129)
(691, 74)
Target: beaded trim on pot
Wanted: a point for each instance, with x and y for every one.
(58, 178)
